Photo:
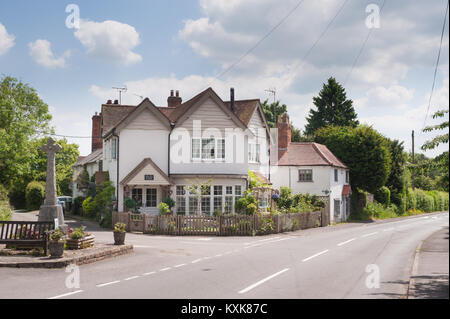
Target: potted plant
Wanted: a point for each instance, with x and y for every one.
(56, 243)
(119, 233)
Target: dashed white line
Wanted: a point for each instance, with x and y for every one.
(149, 273)
(219, 255)
(243, 291)
(370, 234)
(67, 294)
(261, 240)
(131, 278)
(269, 242)
(196, 261)
(180, 265)
(313, 256)
(389, 229)
(346, 242)
(164, 269)
(108, 283)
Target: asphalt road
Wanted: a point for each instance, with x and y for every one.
(340, 261)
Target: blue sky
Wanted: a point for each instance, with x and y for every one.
(155, 46)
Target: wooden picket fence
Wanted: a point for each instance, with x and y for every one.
(226, 225)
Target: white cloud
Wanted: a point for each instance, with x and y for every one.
(109, 40)
(41, 52)
(6, 40)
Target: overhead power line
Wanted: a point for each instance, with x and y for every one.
(362, 48)
(318, 39)
(436, 67)
(250, 50)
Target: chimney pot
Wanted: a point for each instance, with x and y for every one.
(116, 101)
(177, 93)
(174, 101)
(171, 92)
(109, 102)
(232, 99)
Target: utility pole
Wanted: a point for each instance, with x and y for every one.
(413, 162)
(120, 90)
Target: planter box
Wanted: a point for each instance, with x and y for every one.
(85, 242)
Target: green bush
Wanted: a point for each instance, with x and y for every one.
(244, 204)
(106, 221)
(379, 211)
(5, 210)
(411, 200)
(89, 207)
(163, 208)
(34, 195)
(383, 196)
(77, 205)
(170, 202)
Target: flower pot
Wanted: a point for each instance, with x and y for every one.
(119, 238)
(56, 248)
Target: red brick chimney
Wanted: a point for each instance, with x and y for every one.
(174, 101)
(97, 141)
(284, 133)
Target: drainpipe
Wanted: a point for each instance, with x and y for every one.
(117, 169)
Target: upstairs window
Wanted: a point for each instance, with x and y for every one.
(347, 177)
(254, 153)
(208, 148)
(305, 175)
(113, 148)
(336, 177)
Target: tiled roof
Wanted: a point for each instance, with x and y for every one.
(91, 158)
(309, 154)
(244, 109)
(113, 114)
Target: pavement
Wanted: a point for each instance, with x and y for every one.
(429, 279)
(353, 260)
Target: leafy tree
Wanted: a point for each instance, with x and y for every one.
(272, 111)
(333, 108)
(275, 109)
(395, 181)
(64, 160)
(442, 160)
(365, 152)
(22, 115)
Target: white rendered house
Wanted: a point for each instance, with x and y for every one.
(154, 152)
(311, 168)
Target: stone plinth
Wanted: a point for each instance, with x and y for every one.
(50, 212)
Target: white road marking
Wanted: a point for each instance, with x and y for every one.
(196, 261)
(243, 291)
(164, 269)
(131, 278)
(227, 253)
(346, 242)
(203, 238)
(108, 283)
(149, 273)
(313, 256)
(180, 265)
(219, 255)
(261, 240)
(67, 294)
(370, 234)
(269, 242)
(388, 229)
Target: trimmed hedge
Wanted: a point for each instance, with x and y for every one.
(427, 201)
(34, 195)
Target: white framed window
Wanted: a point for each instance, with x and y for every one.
(347, 177)
(218, 193)
(305, 175)
(150, 197)
(336, 176)
(136, 194)
(208, 148)
(113, 148)
(193, 204)
(254, 152)
(181, 200)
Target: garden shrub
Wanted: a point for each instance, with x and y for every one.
(247, 204)
(267, 225)
(5, 210)
(77, 205)
(383, 196)
(34, 195)
(106, 221)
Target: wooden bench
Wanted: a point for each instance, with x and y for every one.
(29, 234)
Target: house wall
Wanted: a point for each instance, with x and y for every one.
(211, 121)
(323, 179)
(256, 125)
